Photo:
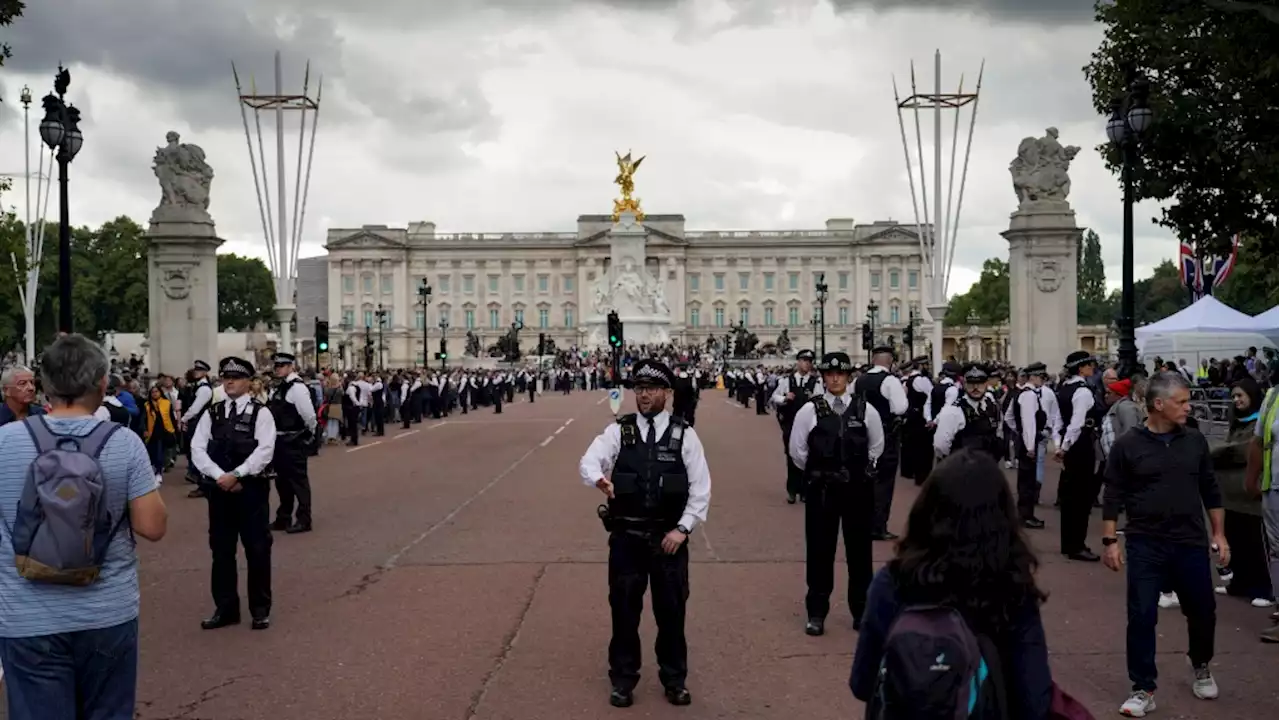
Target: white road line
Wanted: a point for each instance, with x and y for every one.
(495, 422)
(365, 446)
(601, 400)
(568, 422)
(560, 429)
(407, 433)
(390, 562)
(547, 441)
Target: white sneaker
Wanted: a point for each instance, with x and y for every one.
(1221, 589)
(1169, 600)
(1139, 704)
(159, 479)
(1263, 602)
(1203, 685)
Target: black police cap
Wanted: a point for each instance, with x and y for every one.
(234, 367)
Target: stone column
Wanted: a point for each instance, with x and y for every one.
(1043, 242)
(182, 275)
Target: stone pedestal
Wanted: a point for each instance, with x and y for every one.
(1043, 245)
(643, 321)
(182, 272)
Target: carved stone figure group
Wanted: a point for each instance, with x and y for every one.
(184, 176)
(632, 291)
(1040, 169)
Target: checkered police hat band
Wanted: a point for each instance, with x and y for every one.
(652, 373)
(235, 367)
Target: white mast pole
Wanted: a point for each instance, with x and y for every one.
(938, 257)
(284, 299)
(28, 296)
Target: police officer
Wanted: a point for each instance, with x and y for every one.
(684, 400)
(295, 417)
(917, 438)
(971, 421)
(886, 394)
(1036, 418)
(792, 393)
(232, 447)
(658, 494)
(836, 440)
(191, 414)
(1078, 485)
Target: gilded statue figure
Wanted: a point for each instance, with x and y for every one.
(626, 171)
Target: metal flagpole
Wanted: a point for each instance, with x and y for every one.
(27, 278)
(282, 242)
(938, 238)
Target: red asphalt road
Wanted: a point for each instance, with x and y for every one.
(457, 572)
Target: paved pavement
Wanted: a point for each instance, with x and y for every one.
(456, 572)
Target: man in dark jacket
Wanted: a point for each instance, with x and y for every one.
(18, 385)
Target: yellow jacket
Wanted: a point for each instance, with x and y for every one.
(165, 410)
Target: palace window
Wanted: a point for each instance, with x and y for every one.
(693, 317)
(493, 283)
(388, 285)
(843, 314)
(544, 318)
(543, 282)
(348, 284)
(694, 282)
(519, 315)
(348, 316)
(568, 317)
(719, 317)
(894, 314)
(843, 280)
(419, 317)
(469, 318)
(893, 279)
(368, 318)
(793, 281)
(768, 282)
(518, 280)
(367, 282)
(567, 284)
(875, 279)
(442, 284)
(913, 279)
(768, 315)
(744, 315)
(468, 284)
(744, 281)
(793, 316)
(493, 318)
(719, 282)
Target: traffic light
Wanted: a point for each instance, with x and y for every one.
(866, 336)
(615, 330)
(908, 337)
(322, 335)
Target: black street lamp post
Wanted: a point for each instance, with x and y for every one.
(821, 287)
(815, 322)
(368, 348)
(60, 130)
(872, 309)
(444, 328)
(345, 342)
(382, 322)
(424, 299)
(1130, 118)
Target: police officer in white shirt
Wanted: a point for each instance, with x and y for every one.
(836, 441)
(889, 398)
(1035, 416)
(1078, 484)
(659, 490)
(971, 421)
(200, 400)
(295, 415)
(232, 446)
(792, 393)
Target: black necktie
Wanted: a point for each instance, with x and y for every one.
(651, 438)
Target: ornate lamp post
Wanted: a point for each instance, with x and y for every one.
(444, 328)
(820, 286)
(424, 299)
(345, 342)
(1130, 118)
(974, 338)
(60, 130)
(382, 322)
(873, 316)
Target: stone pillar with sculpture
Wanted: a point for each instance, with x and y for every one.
(1043, 246)
(182, 263)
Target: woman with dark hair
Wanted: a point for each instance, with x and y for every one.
(964, 549)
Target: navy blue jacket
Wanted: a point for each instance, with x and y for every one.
(7, 416)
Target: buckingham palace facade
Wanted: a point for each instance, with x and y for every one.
(483, 282)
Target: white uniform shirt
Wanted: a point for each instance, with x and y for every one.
(603, 452)
(951, 422)
(204, 395)
(366, 393)
(1041, 398)
(299, 396)
(892, 391)
(779, 397)
(950, 395)
(1081, 404)
(105, 415)
(807, 420)
(264, 431)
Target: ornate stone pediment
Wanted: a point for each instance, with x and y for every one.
(891, 235)
(364, 239)
(653, 238)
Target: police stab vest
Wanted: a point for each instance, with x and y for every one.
(839, 449)
(803, 392)
(979, 431)
(1042, 419)
(915, 399)
(287, 417)
(231, 439)
(938, 399)
(650, 482)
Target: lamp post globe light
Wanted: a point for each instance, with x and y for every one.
(1131, 116)
(60, 130)
(820, 288)
(424, 299)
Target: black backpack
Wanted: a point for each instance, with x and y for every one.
(935, 668)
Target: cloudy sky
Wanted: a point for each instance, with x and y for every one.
(503, 115)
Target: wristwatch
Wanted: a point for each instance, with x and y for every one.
(683, 530)
(237, 474)
(1109, 541)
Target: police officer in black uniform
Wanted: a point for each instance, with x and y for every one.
(295, 416)
(792, 393)
(836, 439)
(231, 447)
(917, 431)
(972, 420)
(685, 392)
(889, 398)
(200, 394)
(658, 494)
(1030, 411)
(1078, 485)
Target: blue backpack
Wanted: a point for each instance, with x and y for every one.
(63, 525)
(935, 668)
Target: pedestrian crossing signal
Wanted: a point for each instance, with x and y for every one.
(442, 356)
(615, 330)
(322, 335)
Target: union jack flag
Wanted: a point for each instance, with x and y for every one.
(1202, 275)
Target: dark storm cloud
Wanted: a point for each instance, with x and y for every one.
(1046, 12)
(181, 51)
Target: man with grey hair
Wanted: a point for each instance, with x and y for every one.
(18, 384)
(51, 635)
(1160, 474)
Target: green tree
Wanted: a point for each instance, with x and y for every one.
(1092, 305)
(1252, 286)
(246, 292)
(1212, 148)
(988, 299)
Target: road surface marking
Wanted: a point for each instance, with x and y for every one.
(568, 422)
(407, 433)
(560, 429)
(547, 441)
(601, 400)
(365, 446)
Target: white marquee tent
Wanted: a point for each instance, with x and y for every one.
(1206, 329)
(1267, 324)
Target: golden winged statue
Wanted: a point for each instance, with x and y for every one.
(626, 171)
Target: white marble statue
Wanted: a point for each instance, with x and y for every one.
(1040, 169)
(184, 179)
(630, 286)
(600, 302)
(657, 301)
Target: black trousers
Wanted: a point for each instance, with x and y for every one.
(378, 416)
(826, 509)
(351, 420)
(292, 482)
(637, 561)
(795, 476)
(917, 450)
(1028, 488)
(886, 480)
(762, 397)
(246, 516)
(1077, 490)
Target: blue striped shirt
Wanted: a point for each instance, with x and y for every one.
(29, 609)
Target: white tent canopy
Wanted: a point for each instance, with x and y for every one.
(1206, 315)
(1267, 324)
